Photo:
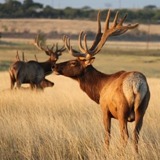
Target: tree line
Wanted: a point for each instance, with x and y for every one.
(30, 9)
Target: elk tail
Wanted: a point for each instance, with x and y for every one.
(140, 91)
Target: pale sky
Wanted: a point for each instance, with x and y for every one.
(97, 4)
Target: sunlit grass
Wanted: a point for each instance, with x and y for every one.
(63, 123)
(61, 25)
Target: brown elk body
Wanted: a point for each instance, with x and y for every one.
(44, 83)
(121, 95)
(34, 72)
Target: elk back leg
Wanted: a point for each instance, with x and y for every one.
(123, 130)
(123, 113)
(138, 125)
(139, 114)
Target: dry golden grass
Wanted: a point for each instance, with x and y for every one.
(63, 123)
(60, 25)
(71, 26)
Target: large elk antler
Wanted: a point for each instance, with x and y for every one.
(48, 51)
(117, 28)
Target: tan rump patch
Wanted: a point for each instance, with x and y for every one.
(134, 88)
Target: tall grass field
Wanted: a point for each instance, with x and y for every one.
(62, 123)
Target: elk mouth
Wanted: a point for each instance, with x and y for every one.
(55, 72)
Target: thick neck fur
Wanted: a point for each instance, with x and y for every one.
(91, 82)
(46, 66)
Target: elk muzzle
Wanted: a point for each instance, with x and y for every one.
(54, 69)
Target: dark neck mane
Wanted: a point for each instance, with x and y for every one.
(92, 82)
(46, 66)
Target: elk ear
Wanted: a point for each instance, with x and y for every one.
(60, 53)
(89, 61)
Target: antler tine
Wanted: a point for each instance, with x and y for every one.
(49, 50)
(97, 37)
(17, 57)
(80, 43)
(106, 32)
(115, 29)
(129, 26)
(56, 47)
(88, 56)
(121, 31)
(35, 57)
(53, 46)
(114, 24)
(61, 49)
(122, 19)
(23, 56)
(107, 19)
(65, 39)
(67, 45)
(73, 52)
(38, 44)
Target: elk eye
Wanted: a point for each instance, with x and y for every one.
(73, 63)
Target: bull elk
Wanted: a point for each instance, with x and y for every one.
(121, 95)
(34, 72)
(44, 83)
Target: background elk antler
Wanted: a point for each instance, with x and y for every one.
(48, 50)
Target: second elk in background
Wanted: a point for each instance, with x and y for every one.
(34, 72)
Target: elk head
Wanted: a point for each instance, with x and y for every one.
(54, 54)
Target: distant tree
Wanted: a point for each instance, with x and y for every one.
(150, 7)
(38, 5)
(27, 4)
(86, 7)
(7, 1)
(10, 8)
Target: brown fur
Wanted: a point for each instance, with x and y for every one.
(122, 95)
(29, 72)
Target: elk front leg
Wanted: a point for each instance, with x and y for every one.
(107, 125)
(39, 87)
(19, 82)
(32, 85)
